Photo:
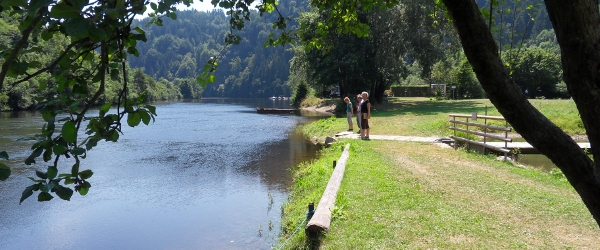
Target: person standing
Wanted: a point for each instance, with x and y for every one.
(349, 112)
(365, 109)
(358, 115)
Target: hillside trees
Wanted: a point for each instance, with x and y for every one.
(198, 36)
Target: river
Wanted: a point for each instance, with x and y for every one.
(209, 174)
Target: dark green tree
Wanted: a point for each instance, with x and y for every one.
(538, 71)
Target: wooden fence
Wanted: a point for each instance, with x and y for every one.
(465, 123)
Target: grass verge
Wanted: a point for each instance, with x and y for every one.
(406, 195)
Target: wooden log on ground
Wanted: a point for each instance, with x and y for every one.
(321, 220)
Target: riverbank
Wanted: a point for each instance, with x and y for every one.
(415, 195)
(325, 106)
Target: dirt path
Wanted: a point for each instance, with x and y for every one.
(351, 135)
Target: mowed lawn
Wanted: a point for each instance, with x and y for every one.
(409, 195)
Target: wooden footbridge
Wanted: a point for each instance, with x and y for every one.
(463, 124)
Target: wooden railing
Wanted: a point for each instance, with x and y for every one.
(475, 119)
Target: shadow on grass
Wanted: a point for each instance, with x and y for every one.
(397, 106)
(313, 241)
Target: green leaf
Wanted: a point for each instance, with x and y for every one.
(69, 132)
(78, 27)
(91, 143)
(97, 34)
(45, 196)
(41, 174)
(75, 168)
(4, 155)
(114, 74)
(52, 172)
(84, 188)
(134, 119)
(145, 117)
(69, 181)
(114, 137)
(86, 174)
(172, 15)
(78, 151)
(59, 149)
(28, 192)
(4, 172)
(21, 3)
(34, 6)
(133, 51)
(47, 35)
(31, 159)
(64, 10)
(47, 155)
(79, 3)
(104, 108)
(151, 108)
(63, 192)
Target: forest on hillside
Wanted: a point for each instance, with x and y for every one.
(180, 48)
(405, 46)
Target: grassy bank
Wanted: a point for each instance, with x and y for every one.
(424, 117)
(407, 195)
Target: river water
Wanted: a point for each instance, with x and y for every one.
(210, 174)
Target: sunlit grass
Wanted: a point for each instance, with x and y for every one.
(405, 195)
(420, 116)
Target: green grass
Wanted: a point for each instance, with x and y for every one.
(393, 197)
(418, 116)
(407, 195)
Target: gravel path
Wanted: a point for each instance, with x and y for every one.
(351, 135)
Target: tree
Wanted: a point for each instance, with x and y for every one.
(99, 36)
(576, 27)
(576, 24)
(354, 64)
(536, 68)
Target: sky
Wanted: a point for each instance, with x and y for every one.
(197, 5)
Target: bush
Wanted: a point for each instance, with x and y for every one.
(300, 93)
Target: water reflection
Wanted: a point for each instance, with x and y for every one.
(205, 175)
(538, 161)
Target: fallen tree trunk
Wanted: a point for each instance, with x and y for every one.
(321, 220)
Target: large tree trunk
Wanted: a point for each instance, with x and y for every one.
(576, 25)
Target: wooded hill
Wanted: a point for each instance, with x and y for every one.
(176, 53)
(181, 48)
